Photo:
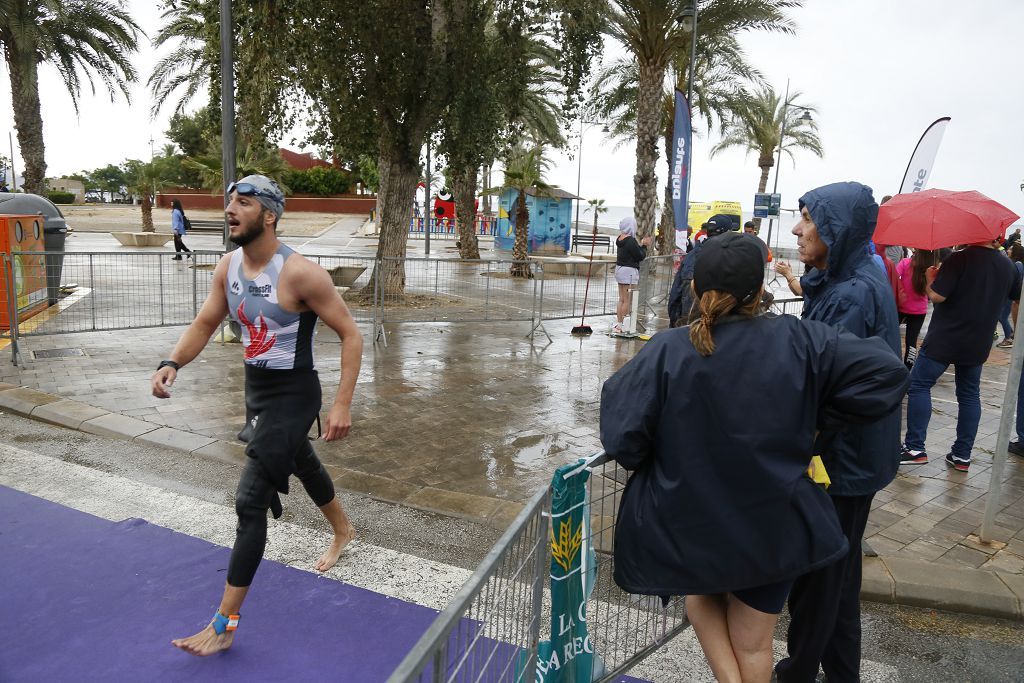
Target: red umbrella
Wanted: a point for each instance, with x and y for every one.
(932, 219)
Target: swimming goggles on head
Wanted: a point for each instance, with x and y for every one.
(250, 190)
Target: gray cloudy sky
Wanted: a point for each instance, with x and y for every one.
(878, 71)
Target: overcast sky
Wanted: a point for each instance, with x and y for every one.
(878, 72)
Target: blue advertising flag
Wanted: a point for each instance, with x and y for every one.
(681, 161)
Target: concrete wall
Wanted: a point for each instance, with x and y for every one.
(358, 204)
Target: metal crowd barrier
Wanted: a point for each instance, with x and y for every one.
(491, 628)
(98, 291)
(446, 228)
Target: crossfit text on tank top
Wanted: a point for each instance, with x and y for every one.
(273, 338)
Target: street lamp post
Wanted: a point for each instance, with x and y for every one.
(688, 21)
(778, 162)
(579, 166)
(227, 107)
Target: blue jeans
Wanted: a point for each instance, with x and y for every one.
(1004, 319)
(923, 377)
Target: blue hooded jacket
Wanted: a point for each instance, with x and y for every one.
(852, 293)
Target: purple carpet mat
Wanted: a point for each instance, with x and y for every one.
(86, 599)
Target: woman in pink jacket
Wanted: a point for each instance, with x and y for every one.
(911, 300)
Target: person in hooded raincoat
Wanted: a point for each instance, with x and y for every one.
(845, 288)
(719, 506)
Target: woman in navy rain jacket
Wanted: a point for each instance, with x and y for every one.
(718, 422)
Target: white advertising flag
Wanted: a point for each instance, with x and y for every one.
(919, 169)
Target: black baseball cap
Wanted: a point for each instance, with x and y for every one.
(732, 263)
(718, 224)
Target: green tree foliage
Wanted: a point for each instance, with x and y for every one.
(94, 38)
(249, 160)
(110, 179)
(194, 133)
(321, 181)
(265, 35)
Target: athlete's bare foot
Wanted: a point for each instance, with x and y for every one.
(330, 558)
(205, 643)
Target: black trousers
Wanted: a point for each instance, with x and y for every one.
(824, 609)
(254, 497)
(914, 323)
(179, 246)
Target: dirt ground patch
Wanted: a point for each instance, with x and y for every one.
(106, 218)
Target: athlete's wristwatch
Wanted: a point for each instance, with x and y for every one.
(168, 364)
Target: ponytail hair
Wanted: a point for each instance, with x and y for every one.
(713, 305)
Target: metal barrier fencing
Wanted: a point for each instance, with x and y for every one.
(97, 291)
(793, 306)
(491, 628)
(446, 228)
(564, 285)
(448, 290)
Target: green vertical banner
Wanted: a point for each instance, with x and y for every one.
(568, 656)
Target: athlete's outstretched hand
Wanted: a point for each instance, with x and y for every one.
(163, 379)
(339, 421)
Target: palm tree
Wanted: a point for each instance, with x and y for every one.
(96, 37)
(194, 62)
(524, 173)
(757, 125)
(250, 159)
(650, 33)
(145, 180)
(598, 207)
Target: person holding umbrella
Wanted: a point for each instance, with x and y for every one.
(967, 290)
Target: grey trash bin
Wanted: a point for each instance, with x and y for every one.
(55, 231)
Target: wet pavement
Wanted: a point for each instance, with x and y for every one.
(471, 418)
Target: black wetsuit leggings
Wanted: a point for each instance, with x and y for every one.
(252, 500)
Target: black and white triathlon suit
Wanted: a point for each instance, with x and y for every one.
(282, 400)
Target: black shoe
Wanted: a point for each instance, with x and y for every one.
(912, 457)
(957, 464)
(175, 258)
(1016, 447)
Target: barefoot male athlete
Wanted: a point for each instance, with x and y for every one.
(276, 296)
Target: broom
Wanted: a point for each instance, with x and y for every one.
(583, 330)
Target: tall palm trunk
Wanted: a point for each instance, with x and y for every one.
(648, 124)
(398, 175)
(28, 118)
(147, 213)
(522, 229)
(464, 187)
(765, 162)
(667, 229)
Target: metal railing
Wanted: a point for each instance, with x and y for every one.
(98, 291)
(491, 628)
(446, 228)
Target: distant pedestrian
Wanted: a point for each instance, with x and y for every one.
(628, 255)
(844, 288)
(1013, 238)
(912, 299)
(719, 506)
(751, 228)
(1008, 314)
(968, 291)
(179, 226)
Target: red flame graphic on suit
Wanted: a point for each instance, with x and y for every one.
(259, 341)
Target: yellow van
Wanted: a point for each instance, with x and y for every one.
(700, 212)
